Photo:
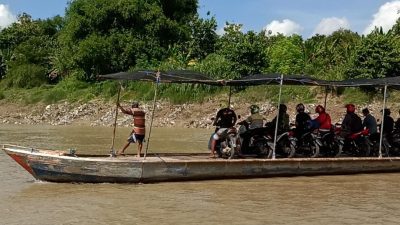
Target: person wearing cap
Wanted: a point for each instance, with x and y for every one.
(255, 120)
(139, 127)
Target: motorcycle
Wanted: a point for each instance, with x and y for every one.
(285, 144)
(307, 145)
(357, 144)
(330, 142)
(386, 149)
(229, 143)
(395, 143)
(253, 141)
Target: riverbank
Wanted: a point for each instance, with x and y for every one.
(198, 115)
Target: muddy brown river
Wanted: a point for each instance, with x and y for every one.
(352, 199)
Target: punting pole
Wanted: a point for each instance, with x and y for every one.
(112, 152)
(277, 116)
(383, 117)
(152, 113)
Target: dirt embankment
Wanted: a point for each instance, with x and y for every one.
(98, 113)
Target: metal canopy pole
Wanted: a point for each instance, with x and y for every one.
(152, 113)
(326, 96)
(277, 116)
(383, 118)
(230, 94)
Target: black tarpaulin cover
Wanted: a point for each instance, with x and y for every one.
(187, 76)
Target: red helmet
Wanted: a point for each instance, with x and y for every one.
(319, 109)
(350, 108)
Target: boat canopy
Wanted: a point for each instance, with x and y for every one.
(187, 76)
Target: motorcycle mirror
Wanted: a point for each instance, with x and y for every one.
(239, 117)
(212, 118)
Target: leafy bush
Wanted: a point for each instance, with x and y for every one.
(54, 95)
(26, 76)
(2, 95)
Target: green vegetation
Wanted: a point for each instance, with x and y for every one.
(59, 58)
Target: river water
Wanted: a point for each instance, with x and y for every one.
(355, 199)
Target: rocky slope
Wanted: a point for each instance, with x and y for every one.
(98, 113)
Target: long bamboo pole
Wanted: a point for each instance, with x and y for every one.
(112, 152)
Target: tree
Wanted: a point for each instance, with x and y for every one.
(247, 52)
(102, 37)
(376, 57)
(328, 56)
(287, 56)
(28, 46)
(203, 37)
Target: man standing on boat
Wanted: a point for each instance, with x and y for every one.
(226, 118)
(139, 130)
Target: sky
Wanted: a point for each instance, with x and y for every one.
(304, 17)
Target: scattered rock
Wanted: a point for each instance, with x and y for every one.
(98, 113)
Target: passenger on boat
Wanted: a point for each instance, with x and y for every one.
(388, 122)
(323, 121)
(283, 121)
(302, 119)
(351, 123)
(250, 125)
(255, 120)
(397, 123)
(226, 118)
(139, 130)
(370, 124)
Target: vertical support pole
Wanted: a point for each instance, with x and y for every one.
(326, 96)
(112, 152)
(277, 117)
(383, 117)
(152, 113)
(230, 95)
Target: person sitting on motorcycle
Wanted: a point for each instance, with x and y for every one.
(225, 119)
(254, 121)
(351, 123)
(369, 123)
(323, 121)
(388, 122)
(397, 124)
(302, 119)
(283, 121)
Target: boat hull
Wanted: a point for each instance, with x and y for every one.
(56, 166)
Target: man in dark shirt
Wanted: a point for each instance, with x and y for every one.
(352, 122)
(370, 124)
(388, 122)
(226, 118)
(302, 119)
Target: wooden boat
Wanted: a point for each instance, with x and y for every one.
(60, 166)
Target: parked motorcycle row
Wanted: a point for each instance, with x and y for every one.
(240, 141)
